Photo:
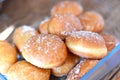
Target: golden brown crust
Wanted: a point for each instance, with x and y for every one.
(45, 51)
(110, 41)
(23, 70)
(22, 34)
(68, 7)
(92, 21)
(63, 24)
(43, 27)
(8, 56)
(81, 69)
(70, 62)
(86, 44)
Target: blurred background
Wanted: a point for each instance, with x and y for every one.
(31, 12)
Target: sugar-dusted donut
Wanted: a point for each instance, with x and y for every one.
(81, 69)
(22, 34)
(22, 70)
(70, 62)
(43, 27)
(67, 7)
(110, 41)
(45, 51)
(8, 56)
(62, 24)
(92, 21)
(86, 44)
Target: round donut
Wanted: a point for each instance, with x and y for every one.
(22, 70)
(110, 41)
(8, 56)
(86, 44)
(67, 7)
(43, 27)
(62, 24)
(22, 34)
(63, 70)
(45, 51)
(81, 69)
(92, 21)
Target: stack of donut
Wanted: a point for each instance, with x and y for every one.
(69, 43)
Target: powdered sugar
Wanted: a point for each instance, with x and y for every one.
(49, 43)
(77, 71)
(28, 29)
(44, 43)
(38, 40)
(74, 72)
(77, 68)
(68, 23)
(95, 37)
(59, 17)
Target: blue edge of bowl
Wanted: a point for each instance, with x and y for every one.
(101, 62)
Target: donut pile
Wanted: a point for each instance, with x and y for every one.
(69, 43)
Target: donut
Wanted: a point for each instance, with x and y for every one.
(62, 24)
(43, 27)
(110, 41)
(92, 21)
(68, 7)
(63, 70)
(22, 70)
(45, 51)
(86, 44)
(22, 34)
(8, 56)
(81, 69)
